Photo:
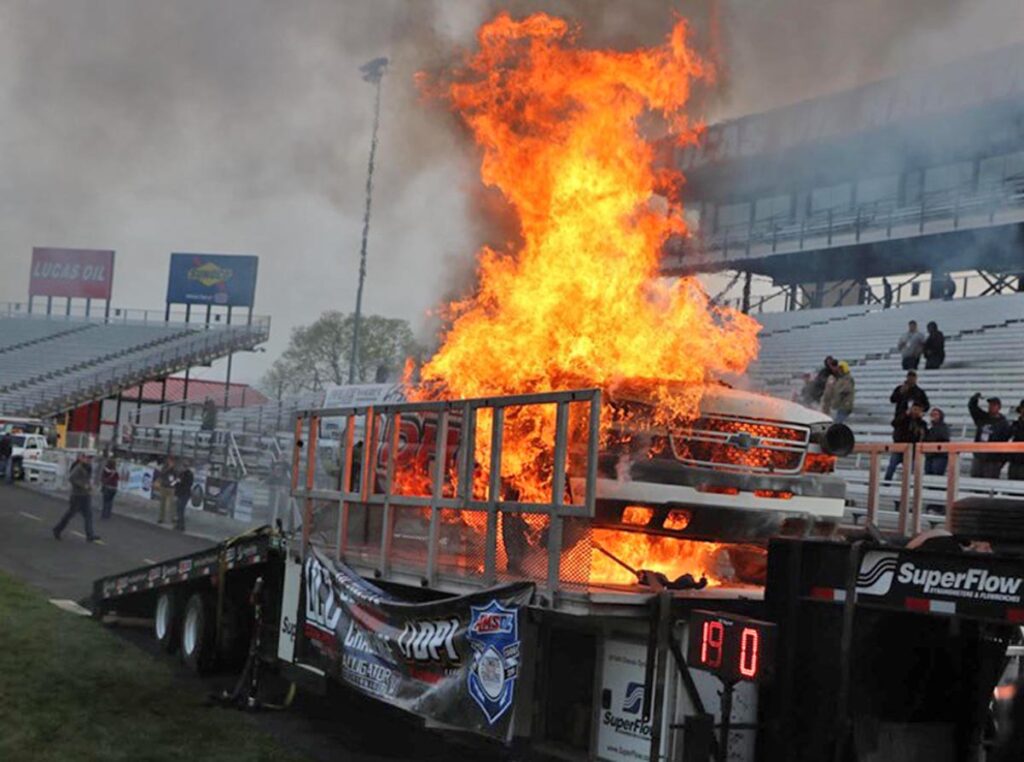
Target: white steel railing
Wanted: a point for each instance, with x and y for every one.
(78, 313)
(451, 492)
(913, 481)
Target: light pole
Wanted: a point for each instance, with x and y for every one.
(373, 72)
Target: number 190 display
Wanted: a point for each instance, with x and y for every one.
(732, 647)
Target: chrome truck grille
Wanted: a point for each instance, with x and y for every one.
(740, 444)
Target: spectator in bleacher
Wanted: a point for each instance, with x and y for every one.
(991, 426)
(839, 394)
(1016, 470)
(935, 463)
(821, 379)
(934, 347)
(6, 459)
(886, 293)
(209, 415)
(907, 394)
(165, 480)
(182, 492)
(109, 479)
(908, 426)
(911, 345)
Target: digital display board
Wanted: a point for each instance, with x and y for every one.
(735, 648)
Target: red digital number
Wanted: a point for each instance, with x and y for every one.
(712, 639)
(750, 647)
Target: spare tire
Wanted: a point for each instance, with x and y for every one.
(989, 518)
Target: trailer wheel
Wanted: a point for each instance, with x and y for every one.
(198, 645)
(166, 627)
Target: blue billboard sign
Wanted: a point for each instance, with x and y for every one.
(220, 279)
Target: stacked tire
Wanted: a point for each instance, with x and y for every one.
(989, 518)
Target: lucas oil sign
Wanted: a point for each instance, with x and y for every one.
(455, 661)
(218, 279)
(72, 273)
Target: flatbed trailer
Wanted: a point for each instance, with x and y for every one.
(852, 649)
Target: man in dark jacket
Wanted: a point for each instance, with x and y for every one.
(992, 426)
(907, 427)
(182, 492)
(934, 347)
(6, 460)
(80, 477)
(1017, 435)
(906, 394)
(935, 464)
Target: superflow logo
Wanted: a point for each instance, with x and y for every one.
(877, 570)
(634, 698)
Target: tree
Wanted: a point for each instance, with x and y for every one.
(318, 354)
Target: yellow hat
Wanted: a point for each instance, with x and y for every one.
(844, 366)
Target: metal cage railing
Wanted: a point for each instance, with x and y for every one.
(339, 484)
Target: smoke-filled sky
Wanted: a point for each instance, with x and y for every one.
(243, 126)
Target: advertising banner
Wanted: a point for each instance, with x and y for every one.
(219, 495)
(136, 480)
(454, 661)
(77, 273)
(219, 279)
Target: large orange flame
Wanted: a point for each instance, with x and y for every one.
(567, 136)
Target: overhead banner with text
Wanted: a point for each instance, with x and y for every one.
(220, 279)
(455, 661)
(72, 273)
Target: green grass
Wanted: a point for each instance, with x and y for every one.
(70, 690)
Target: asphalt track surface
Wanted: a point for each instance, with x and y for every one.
(343, 727)
(67, 568)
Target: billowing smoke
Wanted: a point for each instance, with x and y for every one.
(243, 126)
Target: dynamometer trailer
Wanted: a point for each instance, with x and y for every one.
(476, 608)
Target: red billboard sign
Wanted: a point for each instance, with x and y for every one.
(81, 273)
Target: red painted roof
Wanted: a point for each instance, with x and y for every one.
(239, 395)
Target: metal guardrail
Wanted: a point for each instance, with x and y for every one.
(121, 316)
(372, 494)
(912, 479)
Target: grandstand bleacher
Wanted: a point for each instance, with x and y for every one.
(52, 363)
(984, 353)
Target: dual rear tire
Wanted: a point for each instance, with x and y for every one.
(189, 629)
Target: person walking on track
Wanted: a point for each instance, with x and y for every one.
(80, 477)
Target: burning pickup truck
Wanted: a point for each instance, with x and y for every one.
(701, 495)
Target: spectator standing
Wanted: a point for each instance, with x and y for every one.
(991, 426)
(906, 394)
(934, 347)
(821, 379)
(165, 479)
(6, 457)
(907, 427)
(1016, 470)
(209, 415)
(109, 480)
(936, 463)
(911, 345)
(80, 477)
(182, 492)
(840, 393)
(886, 293)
